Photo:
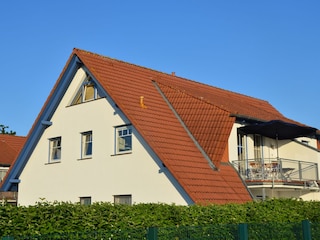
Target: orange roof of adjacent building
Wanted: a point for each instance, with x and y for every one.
(10, 146)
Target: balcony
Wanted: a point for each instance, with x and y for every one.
(284, 173)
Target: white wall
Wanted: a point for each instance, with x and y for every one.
(105, 174)
(233, 144)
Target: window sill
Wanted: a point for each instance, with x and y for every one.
(84, 158)
(91, 100)
(119, 154)
(49, 163)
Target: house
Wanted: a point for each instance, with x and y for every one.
(117, 132)
(10, 146)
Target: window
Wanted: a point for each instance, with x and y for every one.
(86, 144)
(122, 199)
(85, 200)
(242, 164)
(241, 147)
(3, 172)
(88, 91)
(124, 139)
(55, 149)
(257, 142)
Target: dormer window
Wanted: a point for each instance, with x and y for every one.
(87, 92)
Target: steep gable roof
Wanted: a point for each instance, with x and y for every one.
(187, 124)
(10, 146)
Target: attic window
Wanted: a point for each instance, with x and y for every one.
(87, 92)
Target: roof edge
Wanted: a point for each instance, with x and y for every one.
(38, 127)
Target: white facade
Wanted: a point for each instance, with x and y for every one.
(103, 175)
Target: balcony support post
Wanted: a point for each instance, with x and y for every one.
(300, 172)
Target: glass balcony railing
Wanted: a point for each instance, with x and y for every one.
(277, 170)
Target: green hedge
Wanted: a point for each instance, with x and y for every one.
(57, 217)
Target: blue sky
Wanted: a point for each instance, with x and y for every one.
(268, 49)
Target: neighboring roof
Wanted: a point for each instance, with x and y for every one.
(176, 117)
(10, 146)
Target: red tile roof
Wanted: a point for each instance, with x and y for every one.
(209, 122)
(170, 105)
(10, 146)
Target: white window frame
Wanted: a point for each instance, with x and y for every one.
(55, 149)
(81, 95)
(86, 144)
(123, 139)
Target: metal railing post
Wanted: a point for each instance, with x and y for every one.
(243, 231)
(306, 230)
(152, 233)
(300, 171)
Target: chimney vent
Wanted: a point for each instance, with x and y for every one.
(142, 102)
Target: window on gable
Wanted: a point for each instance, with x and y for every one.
(123, 199)
(55, 149)
(87, 92)
(86, 144)
(124, 139)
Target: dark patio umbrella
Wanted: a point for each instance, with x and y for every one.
(278, 129)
